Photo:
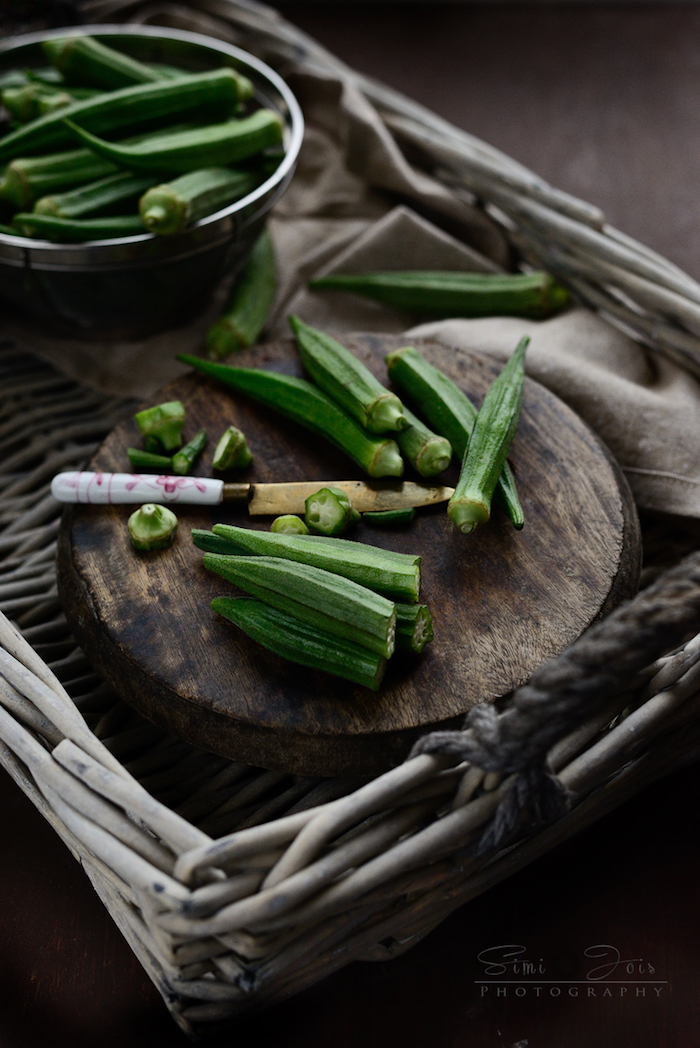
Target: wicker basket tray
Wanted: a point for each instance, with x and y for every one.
(237, 886)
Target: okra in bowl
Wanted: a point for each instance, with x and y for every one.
(139, 282)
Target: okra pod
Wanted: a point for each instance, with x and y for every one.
(250, 304)
(169, 208)
(427, 452)
(390, 518)
(450, 412)
(28, 178)
(148, 462)
(298, 400)
(414, 627)
(329, 511)
(394, 575)
(184, 459)
(183, 151)
(490, 442)
(162, 424)
(327, 601)
(152, 527)
(90, 199)
(299, 642)
(212, 95)
(346, 379)
(447, 294)
(32, 100)
(232, 451)
(288, 524)
(75, 230)
(84, 60)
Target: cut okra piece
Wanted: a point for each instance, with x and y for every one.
(299, 642)
(232, 451)
(489, 444)
(152, 527)
(346, 379)
(428, 453)
(183, 460)
(146, 461)
(414, 627)
(390, 518)
(330, 512)
(450, 412)
(162, 425)
(289, 524)
(394, 575)
(320, 598)
(308, 406)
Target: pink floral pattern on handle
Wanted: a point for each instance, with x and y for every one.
(100, 489)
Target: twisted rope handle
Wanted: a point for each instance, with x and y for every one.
(606, 661)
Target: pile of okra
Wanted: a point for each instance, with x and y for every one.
(99, 145)
(342, 606)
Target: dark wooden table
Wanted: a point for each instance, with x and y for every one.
(602, 101)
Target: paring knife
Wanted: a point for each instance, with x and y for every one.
(99, 489)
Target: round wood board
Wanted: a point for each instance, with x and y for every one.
(502, 601)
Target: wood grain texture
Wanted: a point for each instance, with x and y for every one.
(502, 601)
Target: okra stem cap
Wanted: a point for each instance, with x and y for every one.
(152, 527)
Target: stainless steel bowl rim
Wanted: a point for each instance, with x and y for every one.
(67, 253)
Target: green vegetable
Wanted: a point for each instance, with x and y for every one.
(390, 518)
(329, 602)
(204, 95)
(444, 294)
(48, 75)
(427, 452)
(288, 524)
(344, 378)
(162, 423)
(12, 78)
(84, 60)
(103, 195)
(168, 208)
(28, 178)
(50, 102)
(303, 403)
(232, 451)
(414, 627)
(329, 511)
(32, 100)
(183, 460)
(490, 441)
(449, 411)
(250, 304)
(168, 72)
(215, 144)
(394, 575)
(152, 527)
(146, 461)
(299, 642)
(74, 230)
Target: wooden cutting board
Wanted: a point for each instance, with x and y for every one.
(502, 601)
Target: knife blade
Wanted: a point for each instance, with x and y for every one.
(99, 489)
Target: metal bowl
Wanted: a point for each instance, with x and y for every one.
(131, 286)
